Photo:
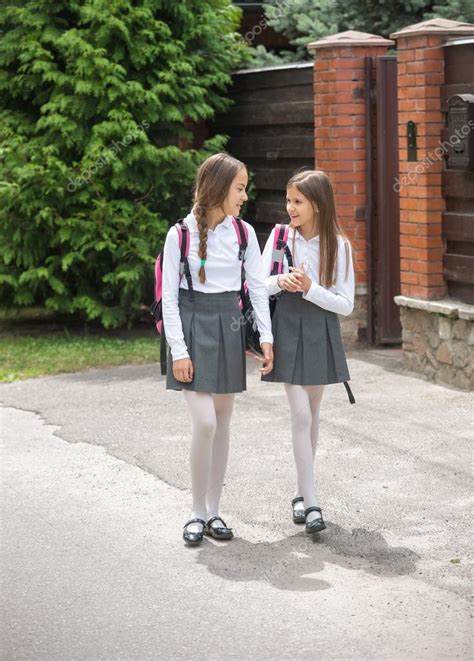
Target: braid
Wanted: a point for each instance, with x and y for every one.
(199, 212)
(213, 181)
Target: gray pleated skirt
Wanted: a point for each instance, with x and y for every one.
(215, 337)
(307, 344)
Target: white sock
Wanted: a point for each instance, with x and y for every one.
(304, 407)
(298, 507)
(210, 415)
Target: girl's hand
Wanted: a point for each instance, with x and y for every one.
(289, 282)
(183, 370)
(267, 349)
(304, 280)
(266, 360)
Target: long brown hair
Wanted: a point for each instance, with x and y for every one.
(316, 186)
(213, 181)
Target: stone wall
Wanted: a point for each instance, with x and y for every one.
(354, 326)
(438, 341)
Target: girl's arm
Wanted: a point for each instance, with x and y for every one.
(257, 289)
(340, 297)
(171, 316)
(271, 281)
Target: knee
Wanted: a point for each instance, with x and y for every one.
(302, 421)
(206, 427)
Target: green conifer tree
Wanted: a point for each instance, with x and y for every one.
(95, 145)
(455, 10)
(304, 21)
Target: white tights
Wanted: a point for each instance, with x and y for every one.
(210, 415)
(305, 404)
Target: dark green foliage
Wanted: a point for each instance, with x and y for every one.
(456, 10)
(95, 155)
(384, 18)
(304, 21)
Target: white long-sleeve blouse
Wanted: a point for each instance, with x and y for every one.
(340, 297)
(223, 273)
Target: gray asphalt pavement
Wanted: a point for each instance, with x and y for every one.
(96, 490)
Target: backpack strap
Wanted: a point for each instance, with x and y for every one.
(184, 243)
(243, 240)
(280, 249)
(158, 280)
(242, 237)
(349, 392)
(163, 360)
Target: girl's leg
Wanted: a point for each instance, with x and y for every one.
(301, 423)
(297, 399)
(223, 405)
(203, 416)
(315, 397)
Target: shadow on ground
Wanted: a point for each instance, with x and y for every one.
(292, 562)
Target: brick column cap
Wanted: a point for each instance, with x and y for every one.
(440, 26)
(350, 38)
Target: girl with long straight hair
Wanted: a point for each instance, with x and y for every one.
(309, 352)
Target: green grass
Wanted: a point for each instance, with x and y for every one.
(23, 357)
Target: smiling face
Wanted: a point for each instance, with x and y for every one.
(299, 208)
(236, 195)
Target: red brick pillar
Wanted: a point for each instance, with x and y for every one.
(420, 77)
(340, 139)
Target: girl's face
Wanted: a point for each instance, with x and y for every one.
(236, 195)
(299, 208)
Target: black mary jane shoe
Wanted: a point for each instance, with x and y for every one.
(193, 538)
(297, 518)
(218, 532)
(314, 526)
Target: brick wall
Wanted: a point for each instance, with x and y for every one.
(341, 142)
(420, 76)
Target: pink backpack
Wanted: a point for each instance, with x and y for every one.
(280, 248)
(156, 310)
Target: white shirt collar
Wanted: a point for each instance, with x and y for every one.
(191, 221)
(292, 232)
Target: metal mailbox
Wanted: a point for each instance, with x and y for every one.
(461, 132)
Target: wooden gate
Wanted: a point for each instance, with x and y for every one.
(458, 183)
(271, 129)
(383, 226)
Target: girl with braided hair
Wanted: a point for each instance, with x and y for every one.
(206, 358)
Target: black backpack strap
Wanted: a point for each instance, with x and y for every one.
(163, 357)
(183, 260)
(281, 234)
(184, 242)
(242, 250)
(349, 393)
(243, 240)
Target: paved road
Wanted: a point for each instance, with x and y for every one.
(96, 490)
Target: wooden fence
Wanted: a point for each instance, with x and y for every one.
(271, 129)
